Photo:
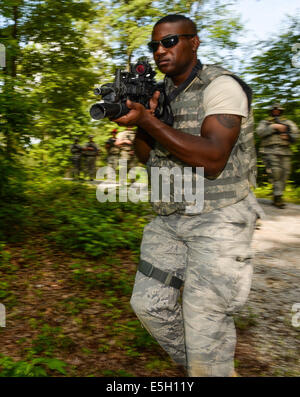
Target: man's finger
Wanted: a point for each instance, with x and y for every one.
(154, 101)
(132, 105)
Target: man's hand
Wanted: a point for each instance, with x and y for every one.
(138, 111)
(284, 136)
(123, 142)
(279, 127)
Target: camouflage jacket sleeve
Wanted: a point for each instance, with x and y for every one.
(75, 149)
(95, 147)
(294, 131)
(264, 130)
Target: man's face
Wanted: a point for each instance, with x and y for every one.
(175, 60)
(276, 112)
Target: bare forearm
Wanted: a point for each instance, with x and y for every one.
(196, 151)
(143, 144)
(210, 149)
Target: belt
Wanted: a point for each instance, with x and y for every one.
(164, 277)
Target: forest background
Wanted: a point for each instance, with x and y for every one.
(53, 232)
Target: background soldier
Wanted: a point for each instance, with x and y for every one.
(277, 134)
(76, 151)
(113, 150)
(125, 141)
(91, 151)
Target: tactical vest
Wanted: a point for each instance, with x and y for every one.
(273, 138)
(113, 150)
(76, 151)
(90, 153)
(233, 183)
(127, 134)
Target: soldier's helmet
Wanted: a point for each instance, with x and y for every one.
(276, 105)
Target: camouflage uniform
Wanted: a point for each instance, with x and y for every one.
(126, 151)
(276, 152)
(76, 151)
(90, 158)
(209, 250)
(113, 153)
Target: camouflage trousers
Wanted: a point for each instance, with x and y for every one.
(76, 161)
(211, 253)
(90, 166)
(278, 168)
(130, 158)
(113, 161)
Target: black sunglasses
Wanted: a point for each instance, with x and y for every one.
(167, 42)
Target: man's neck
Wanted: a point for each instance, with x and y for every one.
(179, 79)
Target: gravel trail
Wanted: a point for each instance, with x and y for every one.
(270, 322)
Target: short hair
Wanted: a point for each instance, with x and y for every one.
(172, 18)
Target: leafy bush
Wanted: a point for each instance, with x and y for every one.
(36, 367)
(70, 214)
(14, 210)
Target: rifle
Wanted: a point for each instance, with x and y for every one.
(138, 85)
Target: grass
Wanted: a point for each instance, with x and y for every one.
(291, 193)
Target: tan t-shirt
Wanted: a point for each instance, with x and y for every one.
(224, 95)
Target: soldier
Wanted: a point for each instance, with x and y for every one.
(125, 140)
(206, 249)
(113, 150)
(277, 134)
(91, 152)
(76, 151)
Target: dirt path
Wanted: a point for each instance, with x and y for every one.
(270, 343)
(42, 281)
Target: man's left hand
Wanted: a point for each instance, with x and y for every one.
(138, 112)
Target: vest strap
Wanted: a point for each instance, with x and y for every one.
(186, 83)
(164, 277)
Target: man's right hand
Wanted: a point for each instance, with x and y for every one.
(153, 103)
(284, 136)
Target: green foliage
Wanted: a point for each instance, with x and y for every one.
(245, 320)
(75, 305)
(75, 220)
(126, 26)
(57, 51)
(50, 339)
(291, 194)
(157, 363)
(34, 367)
(5, 257)
(47, 79)
(134, 339)
(13, 209)
(117, 281)
(116, 374)
(273, 77)
(7, 271)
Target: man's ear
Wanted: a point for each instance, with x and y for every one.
(196, 42)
